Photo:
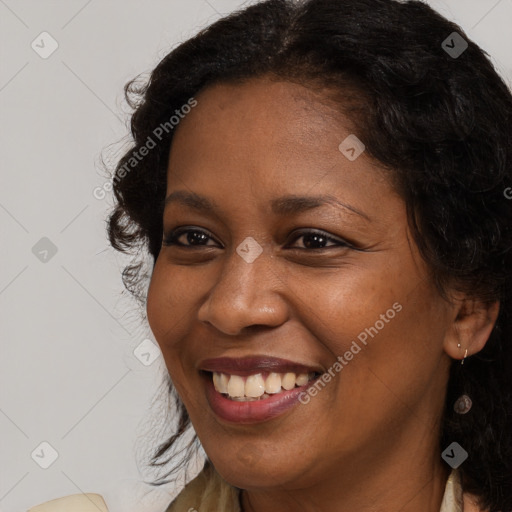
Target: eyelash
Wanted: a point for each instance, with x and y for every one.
(172, 237)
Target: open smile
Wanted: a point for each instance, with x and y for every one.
(253, 389)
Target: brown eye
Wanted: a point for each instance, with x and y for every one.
(319, 240)
(187, 237)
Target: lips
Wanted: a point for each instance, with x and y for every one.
(249, 409)
(246, 366)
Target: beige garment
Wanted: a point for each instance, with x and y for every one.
(208, 492)
(75, 503)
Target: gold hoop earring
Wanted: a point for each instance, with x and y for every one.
(465, 355)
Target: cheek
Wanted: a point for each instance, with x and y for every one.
(167, 317)
(175, 293)
(388, 330)
(339, 307)
(400, 363)
(388, 301)
(157, 304)
(169, 301)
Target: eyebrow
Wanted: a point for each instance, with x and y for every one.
(285, 205)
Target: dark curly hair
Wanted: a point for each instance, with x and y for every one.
(439, 122)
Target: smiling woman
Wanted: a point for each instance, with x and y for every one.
(332, 250)
(339, 161)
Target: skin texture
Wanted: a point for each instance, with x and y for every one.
(370, 438)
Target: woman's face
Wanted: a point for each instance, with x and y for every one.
(248, 283)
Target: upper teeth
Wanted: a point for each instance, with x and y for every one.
(256, 385)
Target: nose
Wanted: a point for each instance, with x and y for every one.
(244, 296)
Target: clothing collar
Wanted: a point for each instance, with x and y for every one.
(453, 498)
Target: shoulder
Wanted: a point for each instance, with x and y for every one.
(74, 503)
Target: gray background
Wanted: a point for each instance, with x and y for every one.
(69, 375)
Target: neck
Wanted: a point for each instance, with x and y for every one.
(407, 479)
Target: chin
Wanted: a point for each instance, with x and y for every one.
(247, 472)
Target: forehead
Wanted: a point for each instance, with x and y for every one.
(285, 109)
(262, 122)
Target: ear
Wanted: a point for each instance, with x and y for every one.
(471, 327)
